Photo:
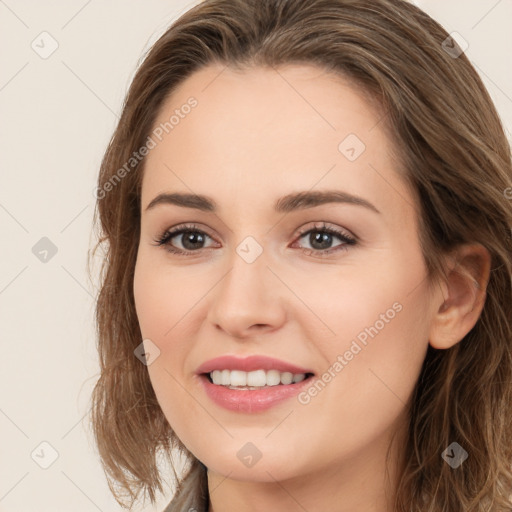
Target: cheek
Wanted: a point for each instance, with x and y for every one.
(167, 301)
(163, 296)
(371, 326)
(158, 303)
(374, 361)
(364, 300)
(371, 369)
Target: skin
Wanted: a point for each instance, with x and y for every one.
(254, 137)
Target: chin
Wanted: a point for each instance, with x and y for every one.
(268, 468)
(258, 473)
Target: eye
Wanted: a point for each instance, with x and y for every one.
(189, 236)
(192, 239)
(320, 239)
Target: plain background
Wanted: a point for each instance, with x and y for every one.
(57, 115)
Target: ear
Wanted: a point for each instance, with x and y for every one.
(462, 295)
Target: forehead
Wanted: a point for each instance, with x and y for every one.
(267, 132)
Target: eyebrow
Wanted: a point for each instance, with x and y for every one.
(285, 204)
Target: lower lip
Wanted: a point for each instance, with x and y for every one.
(251, 400)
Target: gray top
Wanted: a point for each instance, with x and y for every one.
(191, 504)
(193, 494)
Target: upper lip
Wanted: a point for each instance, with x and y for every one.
(248, 364)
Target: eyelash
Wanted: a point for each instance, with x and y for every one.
(164, 239)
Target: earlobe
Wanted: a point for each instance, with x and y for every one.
(462, 295)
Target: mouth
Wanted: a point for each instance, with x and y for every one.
(249, 398)
(254, 380)
(251, 384)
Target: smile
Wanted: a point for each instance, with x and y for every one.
(238, 379)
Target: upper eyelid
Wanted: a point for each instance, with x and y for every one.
(327, 227)
(181, 228)
(301, 232)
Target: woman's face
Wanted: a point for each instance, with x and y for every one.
(280, 157)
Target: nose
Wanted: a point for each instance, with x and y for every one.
(248, 299)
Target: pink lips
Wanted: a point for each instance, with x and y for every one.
(250, 401)
(249, 364)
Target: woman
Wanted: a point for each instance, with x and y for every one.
(307, 284)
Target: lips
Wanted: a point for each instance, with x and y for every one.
(251, 399)
(249, 364)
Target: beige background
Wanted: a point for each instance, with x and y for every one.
(57, 114)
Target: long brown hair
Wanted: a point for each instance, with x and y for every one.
(452, 145)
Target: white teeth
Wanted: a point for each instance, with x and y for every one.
(273, 378)
(254, 379)
(238, 378)
(225, 377)
(286, 378)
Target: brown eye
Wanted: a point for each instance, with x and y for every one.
(320, 240)
(190, 238)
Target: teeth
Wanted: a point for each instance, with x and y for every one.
(286, 378)
(254, 379)
(273, 378)
(238, 378)
(225, 378)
